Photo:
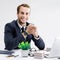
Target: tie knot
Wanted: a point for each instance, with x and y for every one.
(23, 30)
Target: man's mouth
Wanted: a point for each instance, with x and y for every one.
(23, 19)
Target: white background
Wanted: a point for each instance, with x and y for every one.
(45, 14)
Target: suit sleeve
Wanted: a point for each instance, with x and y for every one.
(39, 43)
(10, 41)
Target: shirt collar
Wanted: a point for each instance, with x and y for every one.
(20, 25)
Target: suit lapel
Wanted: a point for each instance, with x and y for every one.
(18, 30)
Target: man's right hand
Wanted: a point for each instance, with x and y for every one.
(30, 29)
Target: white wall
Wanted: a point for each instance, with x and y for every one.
(45, 14)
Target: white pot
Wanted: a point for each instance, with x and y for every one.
(24, 53)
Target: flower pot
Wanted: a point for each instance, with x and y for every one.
(24, 53)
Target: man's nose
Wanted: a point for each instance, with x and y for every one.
(24, 15)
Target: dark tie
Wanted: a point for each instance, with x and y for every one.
(23, 30)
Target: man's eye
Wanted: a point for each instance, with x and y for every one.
(22, 12)
(26, 13)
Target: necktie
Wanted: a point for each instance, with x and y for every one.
(23, 30)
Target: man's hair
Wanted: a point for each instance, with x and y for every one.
(24, 5)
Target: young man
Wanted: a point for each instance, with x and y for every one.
(20, 30)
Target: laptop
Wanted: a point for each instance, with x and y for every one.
(55, 50)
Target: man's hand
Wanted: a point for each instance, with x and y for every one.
(31, 29)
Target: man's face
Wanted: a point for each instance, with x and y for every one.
(23, 14)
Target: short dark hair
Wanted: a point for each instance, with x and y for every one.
(24, 5)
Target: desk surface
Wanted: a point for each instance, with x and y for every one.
(18, 52)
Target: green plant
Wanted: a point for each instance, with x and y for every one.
(24, 45)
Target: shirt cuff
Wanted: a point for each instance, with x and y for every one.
(37, 37)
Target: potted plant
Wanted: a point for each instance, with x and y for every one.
(24, 46)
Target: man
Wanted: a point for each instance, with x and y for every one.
(20, 30)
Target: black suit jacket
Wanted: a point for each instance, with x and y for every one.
(13, 36)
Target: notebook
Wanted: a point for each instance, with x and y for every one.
(6, 52)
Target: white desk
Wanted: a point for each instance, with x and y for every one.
(20, 58)
(18, 52)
